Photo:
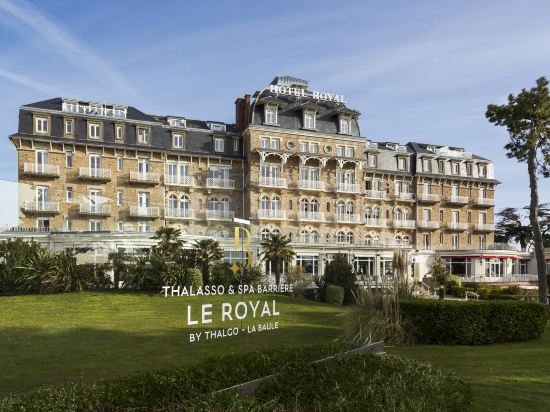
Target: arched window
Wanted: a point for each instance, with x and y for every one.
(368, 213)
(344, 126)
(213, 204)
(304, 205)
(270, 116)
(276, 203)
(340, 237)
(375, 239)
(276, 231)
(184, 202)
(264, 203)
(376, 213)
(349, 237)
(304, 236)
(309, 121)
(327, 237)
(397, 239)
(224, 204)
(172, 202)
(398, 214)
(406, 240)
(314, 205)
(328, 207)
(350, 207)
(265, 234)
(405, 215)
(368, 239)
(340, 210)
(314, 236)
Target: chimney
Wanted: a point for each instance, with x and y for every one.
(242, 108)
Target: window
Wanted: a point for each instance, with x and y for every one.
(265, 234)
(69, 127)
(469, 238)
(41, 125)
(455, 242)
(314, 236)
(119, 132)
(456, 168)
(95, 225)
(304, 236)
(43, 223)
(143, 135)
(482, 241)
(309, 121)
(94, 131)
(469, 217)
(441, 237)
(468, 169)
(119, 163)
(483, 171)
(309, 264)
(350, 152)
(120, 226)
(69, 225)
(373, 160)
(276, 144)
(304, 147)
(341, 237)
(270, 115)
(235, 144)
(264, 143)
(144, 227)
(349, 237)
(426, 239)
(218, 145)
(314, 148)
(401, 163)
(69, 195)
(178, 141)
(69, 158)
(345, 126)
(441, 166)
(119, 198)
(441, 215)
(340, 150)
(426, 165)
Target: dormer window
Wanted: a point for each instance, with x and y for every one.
(309, 120)
(143, 135)
(176, 122)
(345, 126)
(270, 115)
(482, 171)
(401, 163)
(392, 146)
(217, 127)
(456, 168)
(41, 125)
(178, 141)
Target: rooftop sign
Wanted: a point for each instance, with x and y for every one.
(301, 92)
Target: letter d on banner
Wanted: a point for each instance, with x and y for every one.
(246, 245)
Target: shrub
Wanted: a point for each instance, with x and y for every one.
(221, 274)
(474, 322)
(194, 278)
(458, 291)
(296, 277)
(334, 294)
(339, 272)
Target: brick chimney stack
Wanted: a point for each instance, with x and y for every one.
(242, 109)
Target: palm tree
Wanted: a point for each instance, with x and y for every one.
(207, 251)
(276, 249)
(170, 242)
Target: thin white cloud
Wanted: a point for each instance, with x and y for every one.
(65, 43)
(27, 82)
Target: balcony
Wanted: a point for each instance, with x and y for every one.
(152, 178)
(272, 182)
(41, 207)
(375, 222)
(347, 188)
(144, 211)
(406, 197)
(219, 215)
(459, 226)
(178, 213)
(458, 200)
(311, 185)
(39, 169)
(92, 173)
(484, 227)
(311, 216)
(484, 202)
(428, 224)
(348, 218)
(375, 194)
(428, 198)
(275, 214)
(215, 183)
(404, 224)
(95, 210)
(175, 180)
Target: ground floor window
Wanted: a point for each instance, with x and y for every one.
(144, 227)
(386, 266)
(364, 265)
(95, 225)
(308, 263)
(494, 267)
(234, 256)
(523, 267)
(43, 223)
(459, 266)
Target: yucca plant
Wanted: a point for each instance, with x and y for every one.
(38, 268)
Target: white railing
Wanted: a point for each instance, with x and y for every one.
(91, 209)
(484, 227)
(179, 180)
(497, 279)
(315, 216)
(481, 201)
(94, 110)
(348, 218)
(375, 194)
(428, 197)
(50, 207)
(144, 211)
(94, 173)
(446, 152)
(219, 215)
(404, 196)
(457, 226)
(375, 222)
(178, 213)
(147, 177)
(404, 224)
(428, 224)
(458, 200)
(271, 214)
(272, 181)
(220, 183)
(311, 185)
(347, 187)
(371, 146)
(41, 169)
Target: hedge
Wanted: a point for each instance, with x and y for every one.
(334, 294)
(474, 322)
(358, 383)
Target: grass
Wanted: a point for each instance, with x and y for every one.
(504, 377)
(84, 337)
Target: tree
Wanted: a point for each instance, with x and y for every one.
(207, 251)
(339, 272)
(527, 120)
(276, 249)
(119, 263)
(170, 242)
(510, 227)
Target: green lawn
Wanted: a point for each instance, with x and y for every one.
(504, 377)
(83, 337)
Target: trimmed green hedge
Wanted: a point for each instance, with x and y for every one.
(474, 322)
(362, 382)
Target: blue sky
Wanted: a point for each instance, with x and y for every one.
(420, 70)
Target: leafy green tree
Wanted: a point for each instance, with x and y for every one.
(207, 252)
(339, 272)
(276, 249)
(510, 227)
(169, 243)
(139, 275)
(527, 120)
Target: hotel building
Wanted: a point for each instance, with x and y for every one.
(294, 162)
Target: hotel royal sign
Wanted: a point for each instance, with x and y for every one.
(301, 92)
